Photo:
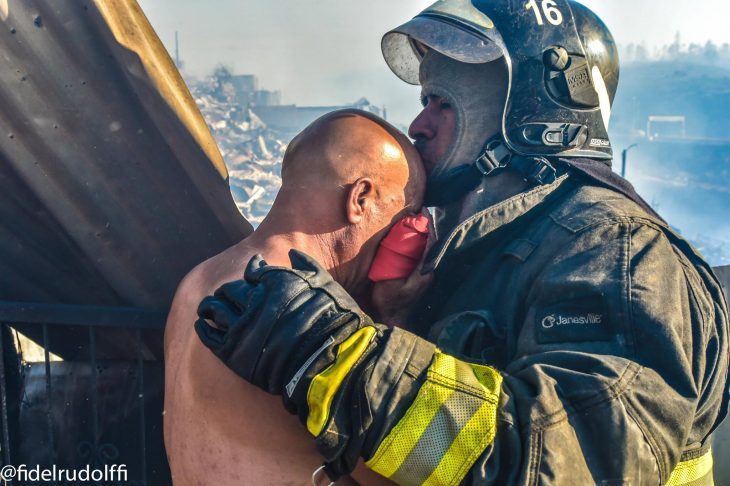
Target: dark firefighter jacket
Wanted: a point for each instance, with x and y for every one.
(577, 340)
(569, 338)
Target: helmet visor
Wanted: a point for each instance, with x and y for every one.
(403, 53)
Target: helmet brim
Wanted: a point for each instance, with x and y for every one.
(404, 59)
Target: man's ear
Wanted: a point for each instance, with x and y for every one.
(359, 199)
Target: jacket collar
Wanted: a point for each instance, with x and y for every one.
(482, 223)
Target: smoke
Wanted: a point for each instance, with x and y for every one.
(328, 52)
(317, 53)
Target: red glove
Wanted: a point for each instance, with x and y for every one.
(401, 250)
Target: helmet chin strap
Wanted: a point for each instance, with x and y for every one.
(456, 183)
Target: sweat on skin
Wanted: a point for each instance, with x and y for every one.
(345, 179)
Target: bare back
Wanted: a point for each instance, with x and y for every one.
(345, 179)
(219, 429)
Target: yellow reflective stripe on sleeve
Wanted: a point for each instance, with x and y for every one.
(478, 433)
(690, 472)
(401, 440)
(448, 426)
(325, 385)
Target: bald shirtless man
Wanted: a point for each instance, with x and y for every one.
(345, 179)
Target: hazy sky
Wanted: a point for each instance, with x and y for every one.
(328, 51)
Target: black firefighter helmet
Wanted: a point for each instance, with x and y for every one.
(562, 61)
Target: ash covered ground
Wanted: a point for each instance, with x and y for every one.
(252, 151)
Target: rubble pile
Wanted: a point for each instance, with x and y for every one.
(252, 152)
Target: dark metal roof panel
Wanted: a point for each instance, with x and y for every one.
(111, 186)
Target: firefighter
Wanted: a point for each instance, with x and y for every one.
(569, 336)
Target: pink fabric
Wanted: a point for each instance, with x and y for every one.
(401, 249)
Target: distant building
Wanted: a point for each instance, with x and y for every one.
(244, 84)
(246, 88)
(251, 102)
(267, 98)
(289, 120)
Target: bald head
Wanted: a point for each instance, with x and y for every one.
(346, 145)
(345, 180)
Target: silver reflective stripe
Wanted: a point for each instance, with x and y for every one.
(439, 436)
(298, 375)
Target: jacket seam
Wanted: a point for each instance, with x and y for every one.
(655, 449)
(629, 291)
(536, 455)
(653, 445)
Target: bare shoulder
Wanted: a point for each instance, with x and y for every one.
(191, 289)
(199, 282)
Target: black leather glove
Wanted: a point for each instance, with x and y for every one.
(297, 333)
(279, 327)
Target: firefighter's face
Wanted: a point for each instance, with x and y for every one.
(433, 130)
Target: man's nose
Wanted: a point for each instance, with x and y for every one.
(421, 127)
